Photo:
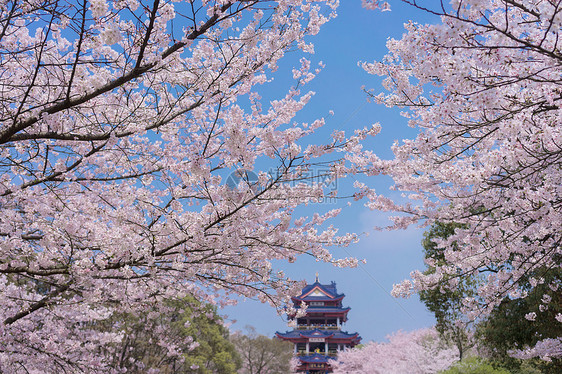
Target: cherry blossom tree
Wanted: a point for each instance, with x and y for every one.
(416, 352)
(484, 88)
(545, 349)
(513, 325)
(120, 122)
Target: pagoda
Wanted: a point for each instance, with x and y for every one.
(318, 335)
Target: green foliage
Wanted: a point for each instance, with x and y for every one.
(474, 365)
(507, 328)
(443, 302)
(192, 328)
(215, 353)
(529, 367)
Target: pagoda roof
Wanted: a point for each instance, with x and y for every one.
(316, 333)
(319, 292)
(315, 358)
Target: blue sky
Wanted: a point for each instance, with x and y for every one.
(355, 35)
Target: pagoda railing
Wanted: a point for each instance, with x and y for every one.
(321, 327)
(331, 353)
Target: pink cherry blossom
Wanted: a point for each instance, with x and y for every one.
(416, 352)
(120, 123)
(483, 88)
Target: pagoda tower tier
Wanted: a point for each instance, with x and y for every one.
(318, 337)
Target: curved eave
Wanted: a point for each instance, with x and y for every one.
(283, 336)
(296, 336)
(355, 339)
(299, 299)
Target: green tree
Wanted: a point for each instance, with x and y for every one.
(474, 365)
(188, 338)
(512, 325)
(261, 354)
(506, 328)
(444, 303)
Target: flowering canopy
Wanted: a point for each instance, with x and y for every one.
(415, 352)
(120, 121)
(483, 87)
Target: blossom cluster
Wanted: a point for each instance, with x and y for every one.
(483, 88)
(120, 121)
(416, 352)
